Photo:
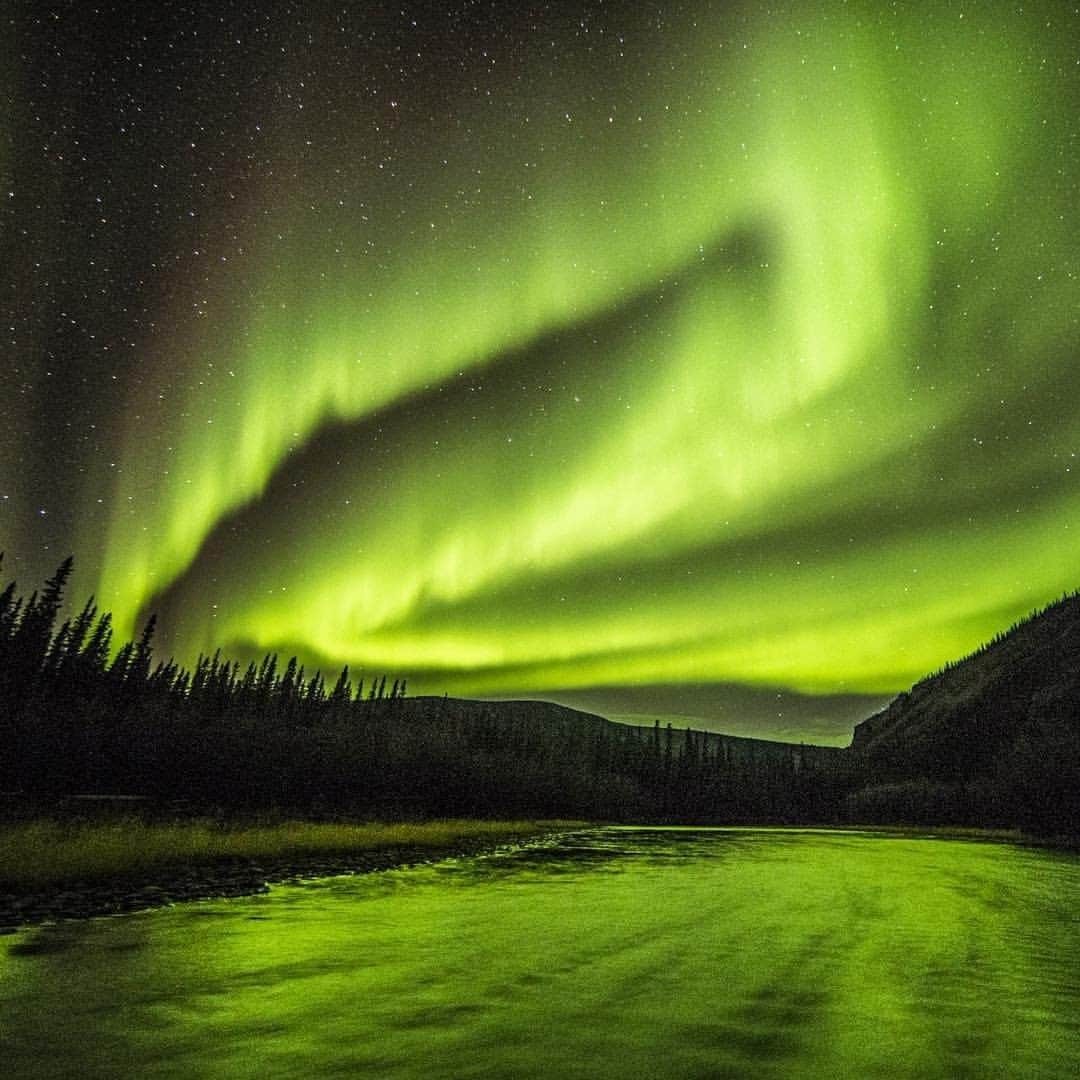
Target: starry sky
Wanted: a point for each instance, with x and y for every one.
(697, 360)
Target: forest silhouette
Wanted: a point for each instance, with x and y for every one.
(78, 717)
(992, 740)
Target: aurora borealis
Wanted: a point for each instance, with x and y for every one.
(524, 350)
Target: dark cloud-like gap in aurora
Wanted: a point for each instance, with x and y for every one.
(584, 353)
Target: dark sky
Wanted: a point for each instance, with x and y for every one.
(697, 353)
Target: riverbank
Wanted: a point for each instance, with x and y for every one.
(943, 832)
(53, 869)
(967, 832)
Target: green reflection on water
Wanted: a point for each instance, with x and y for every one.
(659, 953)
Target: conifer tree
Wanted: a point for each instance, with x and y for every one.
(140, 663)
(288, 680)
(342, 691)
(95, 654)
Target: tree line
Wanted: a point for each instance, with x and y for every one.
(80, 716)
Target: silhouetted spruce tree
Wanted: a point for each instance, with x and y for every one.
(32, 636)
(95, 654)
(342, 691)
(267, 675)
(288, 681)
(140, 661)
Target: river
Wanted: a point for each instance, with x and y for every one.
(620, 952)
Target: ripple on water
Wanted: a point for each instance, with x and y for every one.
(653, 953)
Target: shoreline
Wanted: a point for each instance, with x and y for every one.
(967, 832)
(28, 902)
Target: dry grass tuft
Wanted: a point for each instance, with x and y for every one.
(48, 852)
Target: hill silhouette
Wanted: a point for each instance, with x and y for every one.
(81, 717)
(992, 739)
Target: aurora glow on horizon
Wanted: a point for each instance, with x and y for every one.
(521, 352)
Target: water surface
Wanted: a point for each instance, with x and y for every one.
(617, 953)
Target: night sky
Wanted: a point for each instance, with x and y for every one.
(693, 360)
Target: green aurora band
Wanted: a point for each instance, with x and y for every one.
(742, 359)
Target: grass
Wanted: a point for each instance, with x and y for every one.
(43, 853)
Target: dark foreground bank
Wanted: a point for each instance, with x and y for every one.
(53, 869)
